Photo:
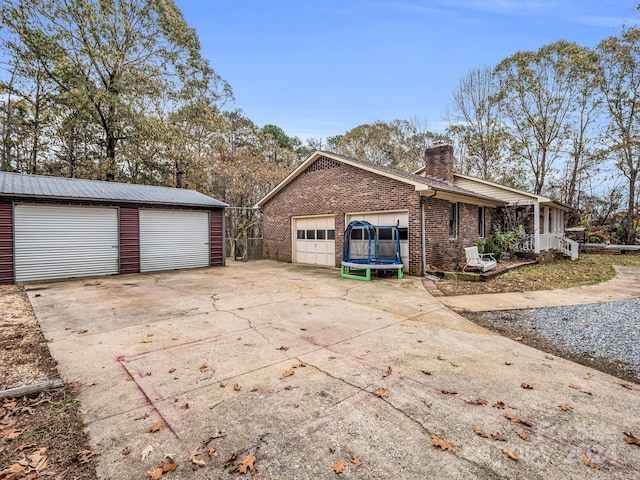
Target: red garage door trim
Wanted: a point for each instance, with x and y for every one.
(6, 243)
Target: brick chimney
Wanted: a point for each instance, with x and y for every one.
(438, 161)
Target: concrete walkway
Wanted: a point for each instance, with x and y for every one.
(626, 284)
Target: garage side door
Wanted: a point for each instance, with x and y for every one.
(314, 240)
(173, 239)
(389, 218)
(57, 242)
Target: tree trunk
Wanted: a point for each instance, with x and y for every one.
(110, 174)
(631, 231)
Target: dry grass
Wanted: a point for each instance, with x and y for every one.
(587, 270)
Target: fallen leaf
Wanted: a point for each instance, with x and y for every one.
(185, 406)
(204, 367)
(126, 451)
(265, 390)
(146, 340)
(426, 372)
(202, 426)
(145, 453)
(589, 375)
(499, 405)
(574, 386)
(155, 474)
(449, 392)
(171, 370)
(343, 448)
(283, 348)
(339, 467)
(523, 435)
(631, 439)
(169, 466)
(438, 442)
(288, 373)
(480, 432)
(11, 434)
(508, 363)
(356, 461)
(588, 462)
(387, 372)
(512, 417)
(332, 357)
(23, 446)
(549, 357)
(84, 456)
(427, 404)
(454, 364)
(526, 386)
(498, 437)
(566, 407)
(156, 428)
(14, 471)
(247, 463)
(382, 393)
(625, 385)
(332, 449)
(442, 357)
(517, 339)
(510, 453)
(39, 461)
(236, 387)
(478, 401)
(211, 451)
(299, 365)
(222, 384)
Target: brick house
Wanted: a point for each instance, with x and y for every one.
(306, 214)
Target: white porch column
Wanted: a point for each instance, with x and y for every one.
(536, 228)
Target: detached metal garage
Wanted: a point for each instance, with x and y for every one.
(55, 228)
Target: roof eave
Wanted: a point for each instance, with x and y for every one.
(456, 197)
(111, 200)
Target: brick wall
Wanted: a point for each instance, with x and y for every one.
(328, 187)
(447, 254)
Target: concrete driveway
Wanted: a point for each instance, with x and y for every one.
(303, 370)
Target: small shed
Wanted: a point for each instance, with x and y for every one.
(55, 228)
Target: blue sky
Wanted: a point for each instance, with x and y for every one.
(318, 68)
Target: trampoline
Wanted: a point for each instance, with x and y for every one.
(368, 247)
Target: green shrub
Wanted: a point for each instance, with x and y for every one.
(509, 241)
(487, 245)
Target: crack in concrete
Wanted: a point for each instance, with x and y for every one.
(488, 470)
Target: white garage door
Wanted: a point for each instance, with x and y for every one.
(388, 219)
(56, 242)
(315, 240)
(173, 239)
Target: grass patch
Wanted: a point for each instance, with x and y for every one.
(587, 270)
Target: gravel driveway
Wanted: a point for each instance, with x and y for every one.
(609, 331)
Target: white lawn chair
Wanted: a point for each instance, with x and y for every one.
(485, 262)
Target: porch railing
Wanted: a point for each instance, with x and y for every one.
(552, 241)
(568, 247)
(527, 244)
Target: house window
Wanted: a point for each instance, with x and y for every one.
(453, 220)
(321, 234)
(331, 234)
(403, 233)
(480, 222)
(311, 234)
(300, 234)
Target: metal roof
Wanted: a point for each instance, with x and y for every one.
(40, 186)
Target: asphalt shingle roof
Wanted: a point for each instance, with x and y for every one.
(40, 186)
(428, 181)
